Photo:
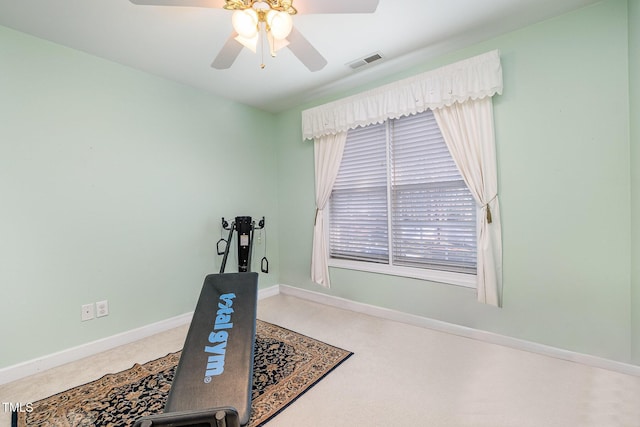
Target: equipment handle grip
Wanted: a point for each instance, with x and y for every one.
(221, 252)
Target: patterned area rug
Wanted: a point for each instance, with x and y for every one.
(286, 365)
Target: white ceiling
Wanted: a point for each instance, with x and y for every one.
(179, 43)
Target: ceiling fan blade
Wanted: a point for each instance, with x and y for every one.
(188, 3)
(337, 6)
(228, 53)
(305, 51)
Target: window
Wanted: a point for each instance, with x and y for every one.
(399, 205)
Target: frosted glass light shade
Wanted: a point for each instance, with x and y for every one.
(280, 24)
(245, 22)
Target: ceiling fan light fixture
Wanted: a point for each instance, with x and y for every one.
(245, 22)
(250, 17)
(279, 24)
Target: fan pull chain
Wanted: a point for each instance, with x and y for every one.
(262, 65)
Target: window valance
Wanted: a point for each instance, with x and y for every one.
(473, 78)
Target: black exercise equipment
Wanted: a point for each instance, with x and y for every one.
(213, 381)
(245, 227)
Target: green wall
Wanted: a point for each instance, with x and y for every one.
(634, 105)
(562, 130)
(113, 184)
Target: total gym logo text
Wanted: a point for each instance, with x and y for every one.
(218, 337)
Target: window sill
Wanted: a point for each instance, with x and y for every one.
(458, 279)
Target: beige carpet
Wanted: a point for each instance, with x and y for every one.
(286, 365)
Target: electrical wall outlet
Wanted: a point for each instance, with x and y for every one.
(87, 312)
(102, 308)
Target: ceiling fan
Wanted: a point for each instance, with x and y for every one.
(271, 19)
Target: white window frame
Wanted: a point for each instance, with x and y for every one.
(448, 277)
(467, 280)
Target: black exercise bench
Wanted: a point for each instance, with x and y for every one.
(213, 381)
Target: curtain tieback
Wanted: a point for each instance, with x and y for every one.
(486, 206)
(315, 220)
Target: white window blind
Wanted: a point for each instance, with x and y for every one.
(358, 205)
(432, 211)
(399, 199)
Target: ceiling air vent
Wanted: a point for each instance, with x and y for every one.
(365, 61)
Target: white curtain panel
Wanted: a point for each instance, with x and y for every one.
(328, 150)
(468, 131)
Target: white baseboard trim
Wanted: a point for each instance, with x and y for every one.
(463, 331)
(268, 292)
(31, 367)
